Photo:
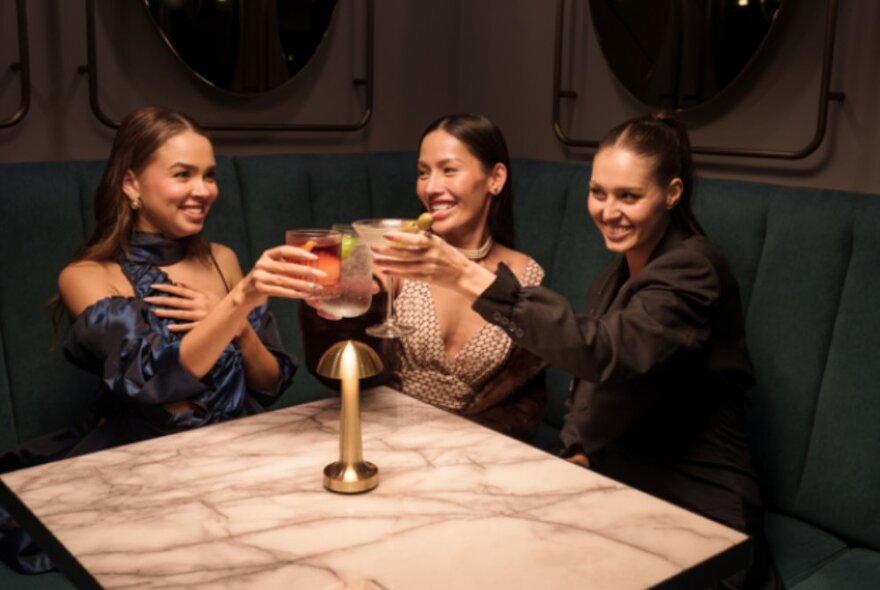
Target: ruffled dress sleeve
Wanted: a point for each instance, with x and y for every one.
(121, 341)
(138, 360)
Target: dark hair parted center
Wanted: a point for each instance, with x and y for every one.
(486, 142)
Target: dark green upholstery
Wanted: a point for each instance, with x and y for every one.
(553, 226)
(40, 213)
(807, 261)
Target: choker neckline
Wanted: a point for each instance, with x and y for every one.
(480, 253)
(155, 249)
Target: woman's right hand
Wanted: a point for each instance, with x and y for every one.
(316, 303)
(279, 273)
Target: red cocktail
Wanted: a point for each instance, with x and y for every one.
(325, 244)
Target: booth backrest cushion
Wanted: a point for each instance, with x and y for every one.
(807, 262)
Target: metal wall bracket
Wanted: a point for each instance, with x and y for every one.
(91, 68)
(825, 96)
(22, 67)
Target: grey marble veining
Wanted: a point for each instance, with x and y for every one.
(241, 505)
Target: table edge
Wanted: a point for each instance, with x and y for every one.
(66, 563)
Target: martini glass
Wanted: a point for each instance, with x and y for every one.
(372, 231)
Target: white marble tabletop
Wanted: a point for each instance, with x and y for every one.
(241, 505)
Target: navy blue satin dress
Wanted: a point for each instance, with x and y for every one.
(137, 359)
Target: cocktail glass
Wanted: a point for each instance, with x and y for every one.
(356, 276)
(372, 231)
(325, 244)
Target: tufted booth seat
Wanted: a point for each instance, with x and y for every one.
(808, 262)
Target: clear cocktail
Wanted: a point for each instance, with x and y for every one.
(355, 278)
(372, 231)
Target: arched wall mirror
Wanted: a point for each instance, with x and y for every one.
(651, 12)
(243, 46)
(678, 54)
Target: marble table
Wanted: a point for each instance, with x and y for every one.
(241, 505)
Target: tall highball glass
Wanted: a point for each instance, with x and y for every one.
(356, 276)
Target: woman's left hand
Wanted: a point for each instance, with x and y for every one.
(185, 304)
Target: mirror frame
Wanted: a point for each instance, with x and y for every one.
(825, 97)
(90, 69)
(721, 91)
(21, 67)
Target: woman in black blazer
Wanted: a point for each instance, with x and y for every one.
(659, 356)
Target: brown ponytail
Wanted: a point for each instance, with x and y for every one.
(663, 138)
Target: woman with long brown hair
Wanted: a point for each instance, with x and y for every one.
(178, 335)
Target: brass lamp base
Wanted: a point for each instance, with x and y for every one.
(350, 361)
(351, 478)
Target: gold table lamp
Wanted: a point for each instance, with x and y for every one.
(350, 361)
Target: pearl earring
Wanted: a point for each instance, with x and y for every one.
(136, 204)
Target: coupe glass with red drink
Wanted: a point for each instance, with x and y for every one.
(325, 244)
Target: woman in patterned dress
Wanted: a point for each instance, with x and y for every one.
(455, 359)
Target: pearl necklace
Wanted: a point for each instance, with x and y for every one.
(479, 253)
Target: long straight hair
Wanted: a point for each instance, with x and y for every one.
(663, 139)
(141, 133)
(486, 142)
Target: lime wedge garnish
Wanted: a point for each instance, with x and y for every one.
(347, 245)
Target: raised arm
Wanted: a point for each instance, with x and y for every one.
(265, 364)
(275, 274)
(664, 309)
(122, 338)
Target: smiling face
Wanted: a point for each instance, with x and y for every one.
(629, 207)
(457, 189)
(177, 188)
